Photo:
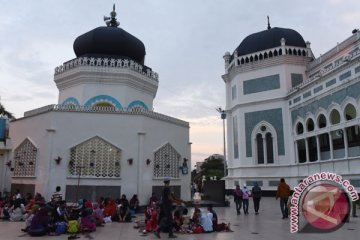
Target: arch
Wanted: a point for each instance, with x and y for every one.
(335, 116)
(238, 62)
(256, 58)
(349, 112)
(103, 99)
(260, 56)
(310, 126)
(304, 53)
(321, 121)
(299, 52)
(251, 58)
(280, 52)
(260, 152)
(242, 61)
(265, 55)
(289, 51)
(270, 54)
(247, 60)
(294, 52)
(299, 128)
(275, 53)
(136, 105)
(71, 101)
(349, 108)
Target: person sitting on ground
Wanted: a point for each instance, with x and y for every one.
(29, 216)
(29, 202)
(152, 222)
(123, 209)
(40, 223)
(61, 213)
(206, 221)
(133, 205)
(110, 209)
(153, 198)
(17, 211)
(219, 227)
(87, 224)
(179, 221)
(39, 199)
(98, 215)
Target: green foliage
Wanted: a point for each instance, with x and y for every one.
(3, 112)
(213, 167)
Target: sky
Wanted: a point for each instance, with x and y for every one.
(185, 41)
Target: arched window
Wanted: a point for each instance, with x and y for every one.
(25, 156)
(251, 59)
(275, 53)
(247, 60)
(290, 52)
(265, 55)
(166, 162)
(321, 121)
(310, 125)
(260, 149)
(260, 56)
(242, 61)
(256, 57)
(265, 144)
(299, 128)
(280, 51)
(269, 148)
(270, 54)
(350, 112)
(334, 117)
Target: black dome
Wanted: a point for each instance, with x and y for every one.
(269, 38)
(109, 41)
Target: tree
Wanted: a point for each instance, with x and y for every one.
(213, 167)
(3, 112)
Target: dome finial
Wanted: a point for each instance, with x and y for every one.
(111, 21)
(269, 27)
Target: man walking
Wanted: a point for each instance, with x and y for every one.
(256, 195)
(283, 192)
(238, 199)
(166, 217)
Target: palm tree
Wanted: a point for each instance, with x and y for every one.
(3, 112)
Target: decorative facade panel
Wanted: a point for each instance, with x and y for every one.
(296, 79)
(166, 162)
(25, 159)
(95, 158)
(272, 116)
(262, 84)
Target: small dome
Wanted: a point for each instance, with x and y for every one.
(269, 38)
(110, 41)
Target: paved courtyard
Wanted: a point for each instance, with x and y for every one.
(267, 225)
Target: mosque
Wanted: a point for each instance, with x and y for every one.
(290, 114)
(102, 138)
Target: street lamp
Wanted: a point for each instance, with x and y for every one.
(223, 117)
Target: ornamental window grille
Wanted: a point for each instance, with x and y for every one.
(166, 162)
(25, 159)
(95, 158)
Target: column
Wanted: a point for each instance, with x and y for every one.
(307, 150)
(140, 164)
(318, 147)
(46, 174)
(264, 150)
(346, 144)
(296, 152)
(331, 146)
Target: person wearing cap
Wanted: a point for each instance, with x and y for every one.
(166, 217)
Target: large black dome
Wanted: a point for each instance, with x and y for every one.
(110, 41)
(269, 38)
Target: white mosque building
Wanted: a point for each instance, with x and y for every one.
(103, 137)
(290, 114)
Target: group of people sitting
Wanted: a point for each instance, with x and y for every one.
(56, 217)
(200, 221)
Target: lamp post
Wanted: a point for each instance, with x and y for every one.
(223, 117)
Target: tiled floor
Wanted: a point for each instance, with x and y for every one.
(267, 225)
